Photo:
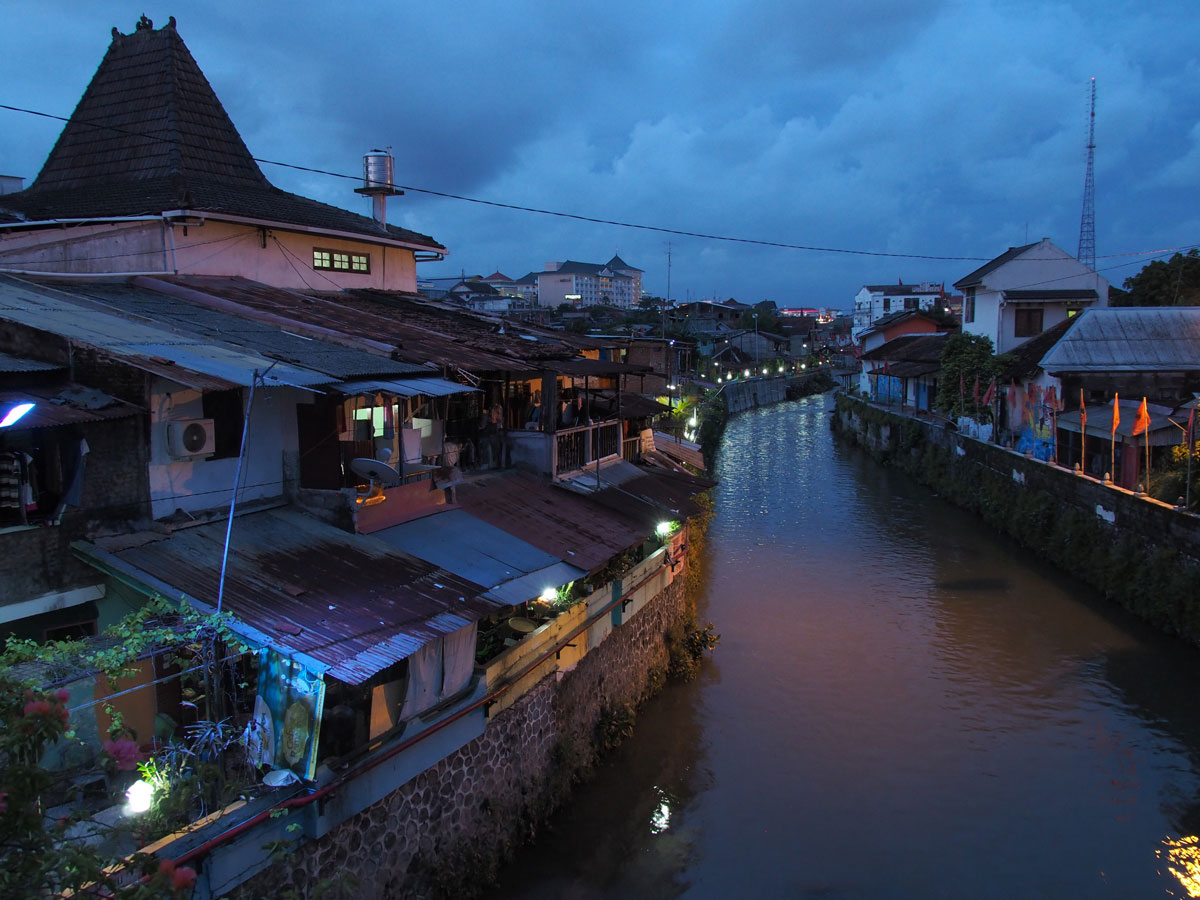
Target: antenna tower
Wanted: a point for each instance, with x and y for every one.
(1087, 223)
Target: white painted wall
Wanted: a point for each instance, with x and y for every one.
(201, 484)
(1041, 266)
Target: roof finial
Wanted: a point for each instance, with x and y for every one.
(144, 24)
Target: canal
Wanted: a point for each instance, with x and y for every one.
(902, 705)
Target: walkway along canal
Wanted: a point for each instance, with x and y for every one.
(903, 704)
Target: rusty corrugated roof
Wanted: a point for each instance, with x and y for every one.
(347, 600)
(68, 404)
(557, 521)
(648, 495)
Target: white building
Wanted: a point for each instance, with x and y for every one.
(1026, 290)
(877, 300)
(614, 283)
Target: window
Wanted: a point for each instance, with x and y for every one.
(887, 304)
(341, 261)
(969, 305)
(1028, 322)
(225, 409)
(911, 303)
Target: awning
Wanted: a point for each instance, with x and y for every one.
(409, 387)
(63, 405)
(1163, 432)
(527, 587)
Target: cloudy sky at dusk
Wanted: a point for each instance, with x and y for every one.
(927, 128)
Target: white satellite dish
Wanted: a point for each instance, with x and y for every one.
(375, 472)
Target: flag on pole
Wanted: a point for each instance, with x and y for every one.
(1142, 421)
(1082, 412)
(1116, 413)
(976, 392)
(1191, 427)
(990, 394)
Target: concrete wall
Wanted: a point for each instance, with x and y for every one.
(275, 257)
(751, 393)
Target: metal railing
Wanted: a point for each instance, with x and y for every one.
(577, 448)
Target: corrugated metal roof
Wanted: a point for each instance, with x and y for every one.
(1129, 339)
(63, 405)
(409, 387)
(646, 495)
(268, 339)
(10, 363)
(527, 587)
(684, 451)
(467, 546)
(563, 524)
(59, 312)
(1163, 432)
(350, 601)
(416, 338)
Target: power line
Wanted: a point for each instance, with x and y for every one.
(516, 207)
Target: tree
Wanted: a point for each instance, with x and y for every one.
(1175, 282)
(967, 361)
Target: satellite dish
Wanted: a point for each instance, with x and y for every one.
(375, 471)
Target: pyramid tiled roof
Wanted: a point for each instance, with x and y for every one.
(150, 136)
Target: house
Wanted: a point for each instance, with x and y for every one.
(873, 301)
(905, 370)
(707, 316)
(413, 513)
(151, 176)
(615, 283)
(1026, 290)
(1130, 353)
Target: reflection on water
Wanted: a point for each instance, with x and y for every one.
(903, 704)
(1183, 861)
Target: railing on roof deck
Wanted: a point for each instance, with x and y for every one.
(577, 448)
(631, 449)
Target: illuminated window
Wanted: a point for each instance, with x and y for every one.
(969, 305)
(341, 261)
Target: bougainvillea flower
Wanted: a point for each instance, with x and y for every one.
(124, 753)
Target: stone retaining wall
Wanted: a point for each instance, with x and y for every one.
(446, 832)
(1139, 552)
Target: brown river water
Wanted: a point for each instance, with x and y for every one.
(903, 704)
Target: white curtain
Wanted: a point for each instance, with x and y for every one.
(458, 659)
(424, 679)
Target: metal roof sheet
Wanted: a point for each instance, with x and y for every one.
(1129, 339)
(71, 316)
(350, 601)
(647, 495)
(270, 340)
(63, 405)
(527, 587)
(11, 363)
(564, 524)
(467, 546)
(409, 387)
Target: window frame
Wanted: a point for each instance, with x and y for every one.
(354, 263)
(1026, 314)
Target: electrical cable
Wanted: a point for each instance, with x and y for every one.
(579, 217)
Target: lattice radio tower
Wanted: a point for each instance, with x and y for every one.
(1087, 223)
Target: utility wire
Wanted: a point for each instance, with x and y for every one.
(578, 217)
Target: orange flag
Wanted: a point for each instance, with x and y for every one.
(1142, 422)
(1116, 412)
(1082, 411)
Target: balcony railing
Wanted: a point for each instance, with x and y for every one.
(577, 448)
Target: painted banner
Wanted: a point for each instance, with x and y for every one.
(287, 715)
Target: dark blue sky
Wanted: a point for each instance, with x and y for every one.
(951, 129)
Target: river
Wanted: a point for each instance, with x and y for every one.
(903, 704)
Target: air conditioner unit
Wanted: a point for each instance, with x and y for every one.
(189, 438)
